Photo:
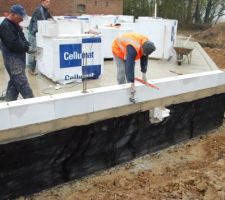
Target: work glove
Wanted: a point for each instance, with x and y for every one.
(31, 50)
(144, 78)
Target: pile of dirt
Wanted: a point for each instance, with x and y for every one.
(213, 41)
(217, 55)
(212, 37)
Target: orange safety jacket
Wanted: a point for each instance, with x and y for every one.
(119, 46)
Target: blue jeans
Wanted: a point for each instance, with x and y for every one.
(31, 57)
(121, 72)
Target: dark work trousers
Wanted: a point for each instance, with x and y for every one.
(31, 57)
(18, 83)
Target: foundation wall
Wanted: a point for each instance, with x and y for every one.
(28, 166)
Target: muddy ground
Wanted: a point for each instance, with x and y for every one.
(192, 170)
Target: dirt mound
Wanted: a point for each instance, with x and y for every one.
(218, 56)
(212, 37)
(213, 41)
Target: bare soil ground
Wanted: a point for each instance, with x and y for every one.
(218, 55)
(192, 170)
(213, 41)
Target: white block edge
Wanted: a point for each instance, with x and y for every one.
(98, 99)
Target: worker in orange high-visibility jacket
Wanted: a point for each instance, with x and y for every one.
(128, 48)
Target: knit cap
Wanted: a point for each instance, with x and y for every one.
(148, 47)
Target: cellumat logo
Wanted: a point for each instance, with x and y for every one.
(71, 55)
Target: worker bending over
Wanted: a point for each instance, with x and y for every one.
(128, 48)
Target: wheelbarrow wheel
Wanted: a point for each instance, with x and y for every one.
(180, 58)
(179, 62)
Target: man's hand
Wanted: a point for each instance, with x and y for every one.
(31, 50)
(144, 78)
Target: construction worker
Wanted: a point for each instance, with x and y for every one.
(126, 49)
(40, 13)
(14, 46)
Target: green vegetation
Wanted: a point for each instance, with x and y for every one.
(188, 12)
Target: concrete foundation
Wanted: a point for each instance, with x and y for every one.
(65, 134)
(30, 165)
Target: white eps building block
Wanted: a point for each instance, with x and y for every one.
(69, 59)
(61, 27)
(108, 35)
(160, 31)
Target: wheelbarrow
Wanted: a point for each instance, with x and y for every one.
(181, 53)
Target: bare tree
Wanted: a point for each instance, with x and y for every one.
(189, 12)
(208, 10)
(186, 12)
(221, 12)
